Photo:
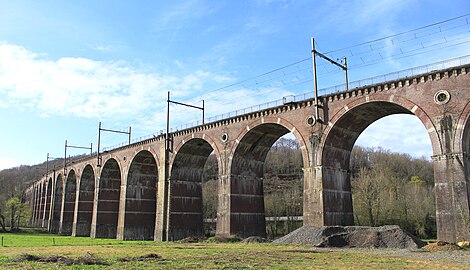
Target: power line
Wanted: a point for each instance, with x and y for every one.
(298, 72)
(402, 33)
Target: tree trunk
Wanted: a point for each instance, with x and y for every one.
(2, 223)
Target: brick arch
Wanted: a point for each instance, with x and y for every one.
(204, 137)
(186, 169)
(70, 192)
(275, 121)
(108, 199)
(463, 150)
(338, 140)
(246, 172)
(396, 103)
(140, 197)
(57, 203)
(40, 200)
(86, 195)
(462, 140)
(118, 158)
(46, 208)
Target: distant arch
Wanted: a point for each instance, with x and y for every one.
(247, 171)
(186, 209)
(141, 190)
(108, 200)
(57, 204)
(70, 193)
(85, 202)
(45, 213)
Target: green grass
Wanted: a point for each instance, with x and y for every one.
(125, 255)
(43, 239)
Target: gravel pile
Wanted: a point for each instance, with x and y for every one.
(255, 239)
(391, 236)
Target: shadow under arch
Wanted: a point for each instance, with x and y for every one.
(45, 213)
(86, 195)
(141, 190)
(464, 158)
(186, 205)
(57, 204)
(108, 200)
(41, 202)
(465, 143)
(246, 171)
(70, 192)
(335, 152)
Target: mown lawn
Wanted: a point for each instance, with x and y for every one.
(114, 254)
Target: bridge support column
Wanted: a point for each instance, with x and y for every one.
(75, 210)
(241, 206)
(161, 219)
(223, 207)
(313, 205)
(452, 197)
(94, 216)
(327, 197)
(122, 209)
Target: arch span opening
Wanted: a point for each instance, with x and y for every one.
(56, 212)
(186, 204)
(108, 200)
(41, 203)
(247, 176)
(45, 213)
(69, 203)
(371, 185)
(283, 187)
(140, 209)
(85, 202)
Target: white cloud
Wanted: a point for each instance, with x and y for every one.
(85, 87)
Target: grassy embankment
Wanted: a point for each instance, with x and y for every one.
(23, 250)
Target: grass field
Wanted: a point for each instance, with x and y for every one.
(45, 251)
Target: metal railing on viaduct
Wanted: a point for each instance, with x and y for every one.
(152, 188)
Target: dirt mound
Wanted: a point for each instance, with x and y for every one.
(255, 239)
(391, 236)
(440, 245)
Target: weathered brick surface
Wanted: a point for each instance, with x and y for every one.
(241, 143)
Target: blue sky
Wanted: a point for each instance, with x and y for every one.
(67, 65)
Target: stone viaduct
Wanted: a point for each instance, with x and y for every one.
(143, 191)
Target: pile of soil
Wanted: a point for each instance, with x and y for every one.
(391, 236)
(441, 246)
(255, 239)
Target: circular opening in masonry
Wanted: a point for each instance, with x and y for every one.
(311, 120)
(224, 137)
(441, 97)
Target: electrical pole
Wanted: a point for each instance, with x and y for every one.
(77, 147)
(99, 140)
(343, 66)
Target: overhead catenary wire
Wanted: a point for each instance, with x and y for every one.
(398, 46)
